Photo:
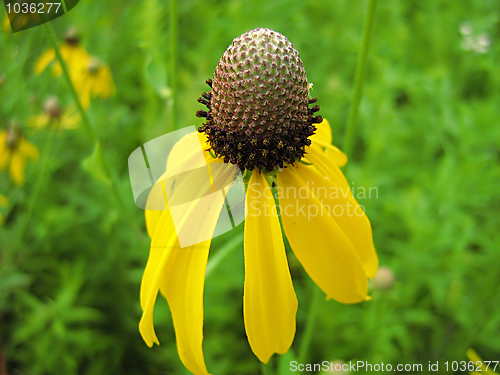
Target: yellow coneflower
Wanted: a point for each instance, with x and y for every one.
(3, 203)
(480, 365)
(14, 150)
(259, 120)
(53, 114)
(94, 80)
(72, 52)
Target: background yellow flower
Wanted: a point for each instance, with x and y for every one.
(14, 151)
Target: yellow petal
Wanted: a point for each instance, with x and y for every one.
(152, 219)
(318, 242)
(269, 301)
(47, 57)
(17, 166)
(185, 149)
(323, 133)
(349, 215)
(179, 272)
(322, 139)
(28, 149)
(183, 287)
(184, 156)
(3, 201)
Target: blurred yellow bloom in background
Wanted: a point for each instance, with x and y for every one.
(72, 52)
(53, 114)
(93, 80)
(89, 75)
(14, 151)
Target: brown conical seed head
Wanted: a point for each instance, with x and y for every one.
(52, 107)
(259, 114)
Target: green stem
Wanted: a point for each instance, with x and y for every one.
(350, 134)
(88, 126)
(310, 323)
(267, 369)
(41, 176)
(173, 60)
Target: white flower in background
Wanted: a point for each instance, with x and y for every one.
(478, 43)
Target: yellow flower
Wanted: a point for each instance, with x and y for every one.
(93, 80)
(54, 115)
(72, 52)
(14, 150)
(278, 142)
(3, 203)
(480, 365)
(90, 76)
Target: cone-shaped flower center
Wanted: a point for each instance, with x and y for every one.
(258, 108)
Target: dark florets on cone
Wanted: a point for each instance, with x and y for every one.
(258, 109)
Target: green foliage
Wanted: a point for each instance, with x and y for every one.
(71, 260)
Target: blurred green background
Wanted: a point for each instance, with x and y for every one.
(71, 257)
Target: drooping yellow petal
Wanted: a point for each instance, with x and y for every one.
(349, 215)
(184, 156)
(269, 301)
(47, 57)
(17, 166)
(152, 219)
(185, 149)
(322, 139)
(183, 287)
(317, 240)
(179, 272)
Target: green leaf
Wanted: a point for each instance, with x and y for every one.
(93, 164)
(156, 75)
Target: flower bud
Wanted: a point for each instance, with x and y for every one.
(72, 36)
(384, 279)
(52, 107)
